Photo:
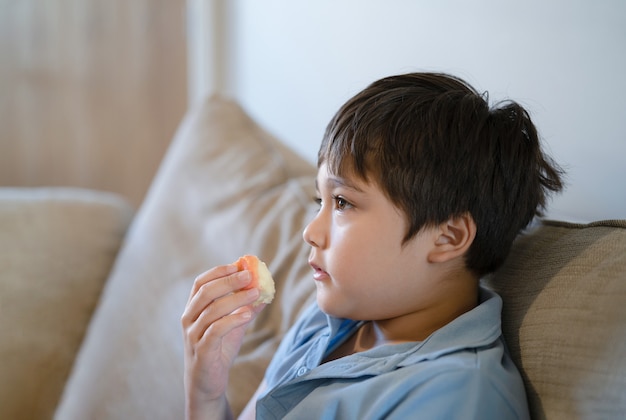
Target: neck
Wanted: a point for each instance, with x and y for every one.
(455, 299)
(459, 298)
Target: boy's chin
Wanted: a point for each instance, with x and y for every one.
(326, 305)
(334, 308)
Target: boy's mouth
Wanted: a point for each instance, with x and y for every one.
(318, 273)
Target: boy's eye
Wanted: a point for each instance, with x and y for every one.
(341, 203)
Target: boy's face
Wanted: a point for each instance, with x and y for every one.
(362, 268)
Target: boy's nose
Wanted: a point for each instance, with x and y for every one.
(313, 233)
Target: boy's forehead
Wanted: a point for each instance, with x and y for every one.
(348, 179)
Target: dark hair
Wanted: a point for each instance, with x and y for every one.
(437, 150)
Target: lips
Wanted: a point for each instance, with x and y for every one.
(318, 273)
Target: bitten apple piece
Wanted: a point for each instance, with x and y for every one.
(261, 277)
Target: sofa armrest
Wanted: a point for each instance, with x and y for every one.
(57, 246)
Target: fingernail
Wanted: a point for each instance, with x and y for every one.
(253, 293)
(244, 276)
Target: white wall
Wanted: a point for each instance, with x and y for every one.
(293, 63)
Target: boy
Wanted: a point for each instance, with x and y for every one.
(422, 189)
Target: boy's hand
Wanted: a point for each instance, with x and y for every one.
(214, 323)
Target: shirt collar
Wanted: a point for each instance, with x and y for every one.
(476, 328)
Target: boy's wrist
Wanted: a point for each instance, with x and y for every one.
(214, 409)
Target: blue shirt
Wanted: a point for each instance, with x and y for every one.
(461, 371)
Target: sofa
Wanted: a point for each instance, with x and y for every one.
(92, 290)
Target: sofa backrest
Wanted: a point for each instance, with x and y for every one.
(564, 317)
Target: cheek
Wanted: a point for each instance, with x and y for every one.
(360, 254)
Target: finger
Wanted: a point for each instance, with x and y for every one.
(233, 304)
(210, 285)
(234, 323)
(224, 335)
(227, 305)
(210, 275)
(256, 309)
(213, 290)
(248, 311)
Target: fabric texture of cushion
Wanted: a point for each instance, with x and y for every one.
(57, 246)
(564, 317)
(225, 188)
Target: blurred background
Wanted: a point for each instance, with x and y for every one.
(91, 92)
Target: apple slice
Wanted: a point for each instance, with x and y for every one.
(261, 277)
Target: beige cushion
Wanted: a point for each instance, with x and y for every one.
(564, 291)
(56, 249)
(226, 188)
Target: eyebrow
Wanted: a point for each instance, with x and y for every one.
(337, 181)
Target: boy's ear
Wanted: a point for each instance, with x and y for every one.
(453, 238)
